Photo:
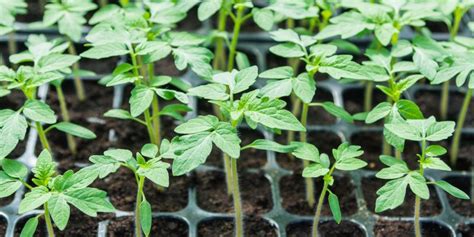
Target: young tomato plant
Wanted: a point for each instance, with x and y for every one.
(199, 134)
(50, 57)
(458, 64)
(146, 165)
(146, 40)
(320, 58)
(8, 11)
(33, 112)
(346, 159)
(53, 191)
(392, 194)
(69, 17)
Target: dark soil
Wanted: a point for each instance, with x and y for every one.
(463, 207)
(212, 193)
(249, 158)
(325, 229)
(323, 140)
(429, 207)
(354, 102)
(317, 115)
(253, 226)
(7, 200)
(79, 225)
(402, 228)
(429, 102)
(293, 188)
(34, 12)
(121, 188)
(191, 22)
(167, 67)
(466, 230)
(437, 27)
(171, 227)
(3, 227)
(372, 145)
(466, 149)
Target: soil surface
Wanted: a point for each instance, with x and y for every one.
(121, 188)
(323, 140)
(463, 207)
(429, 207)
(212, 195)
(253, 226)
(3, 227)
(466, 230)
(354, 102)
(249, 158)
(79, 225)
(7, 200)
(325, 229)
(293, 188)
(429, 102)
(170, 227)
(401, 228)
(372, 145)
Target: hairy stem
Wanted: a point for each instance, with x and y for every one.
(235, 38)
(369, 88)
(42, 136)
(81, 94)
(303, 138)
(219, 51)
(228, 174)
(317, 215)
(296, 109)
(459, 125)
(155, 108)
(239, 225)
(71, 143)
(417, 217)
(138, 230)
(47, 219)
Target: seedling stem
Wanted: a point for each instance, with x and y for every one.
(138, 230)
(71, 143)
(460, 123)
(81, 94)
(47, 219)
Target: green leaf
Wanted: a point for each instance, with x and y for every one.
(39, 111)
(456, 192)
(245, 78)
(268, 145)
(405, 131)
(409, 110)
(145, 217)
(75, 130)
(90, 201)
(30, 227)
(156, 172)
(208, 8)
(393, 172)
(196, 125)
(140, 100)
(225, 137)
(315, 170)
(418, 185)
(440, 130)
(278, 73)
(8, 185)
(198, 58)
(435, 150)
(118, 114)
(59, 210)
(14, 168)
(263, 18)
(304, 87)
(337, 111)
(149, 150)
(378, 112)
(385, 32)
(390, 160)
(436, 164)
(105, 51)
(54, 62)
(350, 164)
(119, 154)
(14, 126)
(287, 50)
(391, 195)
(168, 94)
(210, 92)
(274, 118)
(198, 146)
(425, 63)
(346, 151)
(277, 88)
(33, 199)
(307, 151)
(334, 206)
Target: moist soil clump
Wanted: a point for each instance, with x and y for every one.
(403, 228)
(253, 226)
(325, 229)
(169, 227)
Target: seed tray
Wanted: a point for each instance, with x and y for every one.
(280, 218)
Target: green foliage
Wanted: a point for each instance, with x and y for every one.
(8, 10)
